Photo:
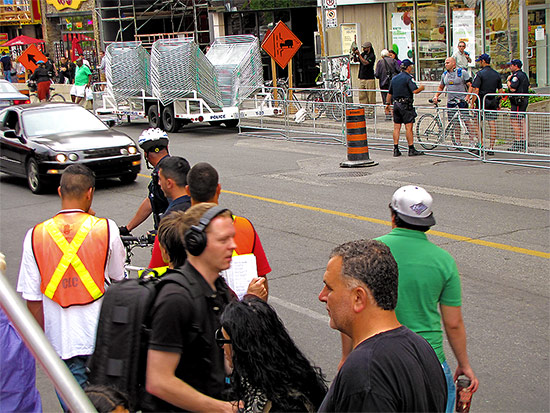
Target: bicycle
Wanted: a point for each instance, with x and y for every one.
(328, 101)
(54, 97)
(130, 242)
(429, 127)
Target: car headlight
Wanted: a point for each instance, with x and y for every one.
(132, 150)
(61, 158)
(73, 157)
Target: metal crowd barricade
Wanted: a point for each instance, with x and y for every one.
(36, 341)
(264, 124)
(518, 138)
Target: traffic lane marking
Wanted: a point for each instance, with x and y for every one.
(460, 238)
(454, 237)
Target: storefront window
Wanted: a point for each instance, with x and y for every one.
(502, 32)
(466, 26)
(432, 44)
(401, 29)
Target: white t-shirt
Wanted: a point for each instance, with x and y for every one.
(71, 331)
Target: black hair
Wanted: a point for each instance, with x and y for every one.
(203, 182)
(372, 263)
(106, 399)
(175, 168)
(170, 234)
(402, 224)
(266, 358)
(76, 180)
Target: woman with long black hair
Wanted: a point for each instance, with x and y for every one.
(268, 371)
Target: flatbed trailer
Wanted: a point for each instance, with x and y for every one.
(182, 111)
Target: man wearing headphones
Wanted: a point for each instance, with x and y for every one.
(154, 143)
(185, 366)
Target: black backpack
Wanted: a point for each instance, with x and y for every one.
(123, 332)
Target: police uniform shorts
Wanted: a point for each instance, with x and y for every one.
(491, 105)
(78, 91)
(403, 112)
(518, 105)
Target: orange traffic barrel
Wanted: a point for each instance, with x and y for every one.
(356, 134)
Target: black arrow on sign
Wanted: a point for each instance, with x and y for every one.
(31, 58)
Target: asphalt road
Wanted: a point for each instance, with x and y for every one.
(494, 219)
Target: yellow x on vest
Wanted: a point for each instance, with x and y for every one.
(70, 257)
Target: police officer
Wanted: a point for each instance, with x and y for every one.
(487, 81)
(402, 89)
(455, 80)
(154, 143)
(518, 83)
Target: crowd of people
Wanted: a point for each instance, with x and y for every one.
(398, 89)
(210, 350)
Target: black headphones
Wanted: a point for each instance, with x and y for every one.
(195, 237)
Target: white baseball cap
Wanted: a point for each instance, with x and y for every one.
(413, 205)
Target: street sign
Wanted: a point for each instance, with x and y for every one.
(330, 4)
(330, 18)
(281, 44)
(30, 56)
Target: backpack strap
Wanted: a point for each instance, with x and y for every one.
(459, 72)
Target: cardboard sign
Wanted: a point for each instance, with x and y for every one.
(30, 56)
(281, 44)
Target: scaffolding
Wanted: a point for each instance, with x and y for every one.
(148, 21)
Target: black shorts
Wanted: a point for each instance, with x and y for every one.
(493, 106)
(403, 112)
(520, 106)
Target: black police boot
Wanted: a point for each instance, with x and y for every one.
(414, 152)
(396, 152)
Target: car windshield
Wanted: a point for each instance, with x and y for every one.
(6, 87)
(62, 119)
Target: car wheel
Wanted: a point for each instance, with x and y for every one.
(154, 118)
(171, 124)
(128, 178)
(231, 123)
(34, 181)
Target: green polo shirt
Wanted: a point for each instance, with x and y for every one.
(428, 276)
(81, 76)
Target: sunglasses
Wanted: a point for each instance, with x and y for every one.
(220, 339)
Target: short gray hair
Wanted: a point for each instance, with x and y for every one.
(384, 53)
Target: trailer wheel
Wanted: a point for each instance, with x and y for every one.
(171, 124)
(154, 118)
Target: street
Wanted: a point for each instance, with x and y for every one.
(494, 219)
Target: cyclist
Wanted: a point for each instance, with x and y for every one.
(154, 143)
(455, 80)
(42, 79)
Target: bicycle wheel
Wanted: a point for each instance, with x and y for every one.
(314, 104)
(337, 107)
(57, 97)
(428, 131)
(33, 97)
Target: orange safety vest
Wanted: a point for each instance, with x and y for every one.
(245, 236)
(71, 253)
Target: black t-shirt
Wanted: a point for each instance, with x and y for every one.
(367, 71)
(158, 200)
(402, 86)
(519, 82)
(394, 371)
(487, 80)
(186, 325)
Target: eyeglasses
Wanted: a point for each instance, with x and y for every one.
(220, 339)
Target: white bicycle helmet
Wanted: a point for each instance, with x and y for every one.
(153, 140)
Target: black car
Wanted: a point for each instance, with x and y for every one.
(39, 141)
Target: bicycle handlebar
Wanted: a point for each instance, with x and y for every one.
(143, 240)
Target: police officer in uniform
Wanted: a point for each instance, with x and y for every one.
(402, 89)
(154, 142)
(518, 83)
(487, 81)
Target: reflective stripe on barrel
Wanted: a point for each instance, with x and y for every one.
(356, 131)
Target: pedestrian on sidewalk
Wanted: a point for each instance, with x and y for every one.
(402, 91)
(366, 77)
(384, 72)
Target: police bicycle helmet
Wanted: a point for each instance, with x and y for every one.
(153, 140)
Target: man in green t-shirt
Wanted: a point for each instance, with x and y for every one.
(82, 81)
(428, 279)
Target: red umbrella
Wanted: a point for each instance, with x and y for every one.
(21, 41)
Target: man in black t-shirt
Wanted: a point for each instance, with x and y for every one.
(390, 368)
(366, 77)
(185, 366)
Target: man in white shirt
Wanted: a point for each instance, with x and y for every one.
(66, 265)
(461, 56)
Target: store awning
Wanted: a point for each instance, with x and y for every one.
(21, 41)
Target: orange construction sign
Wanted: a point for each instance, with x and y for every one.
(281, 44)
(30, 56)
